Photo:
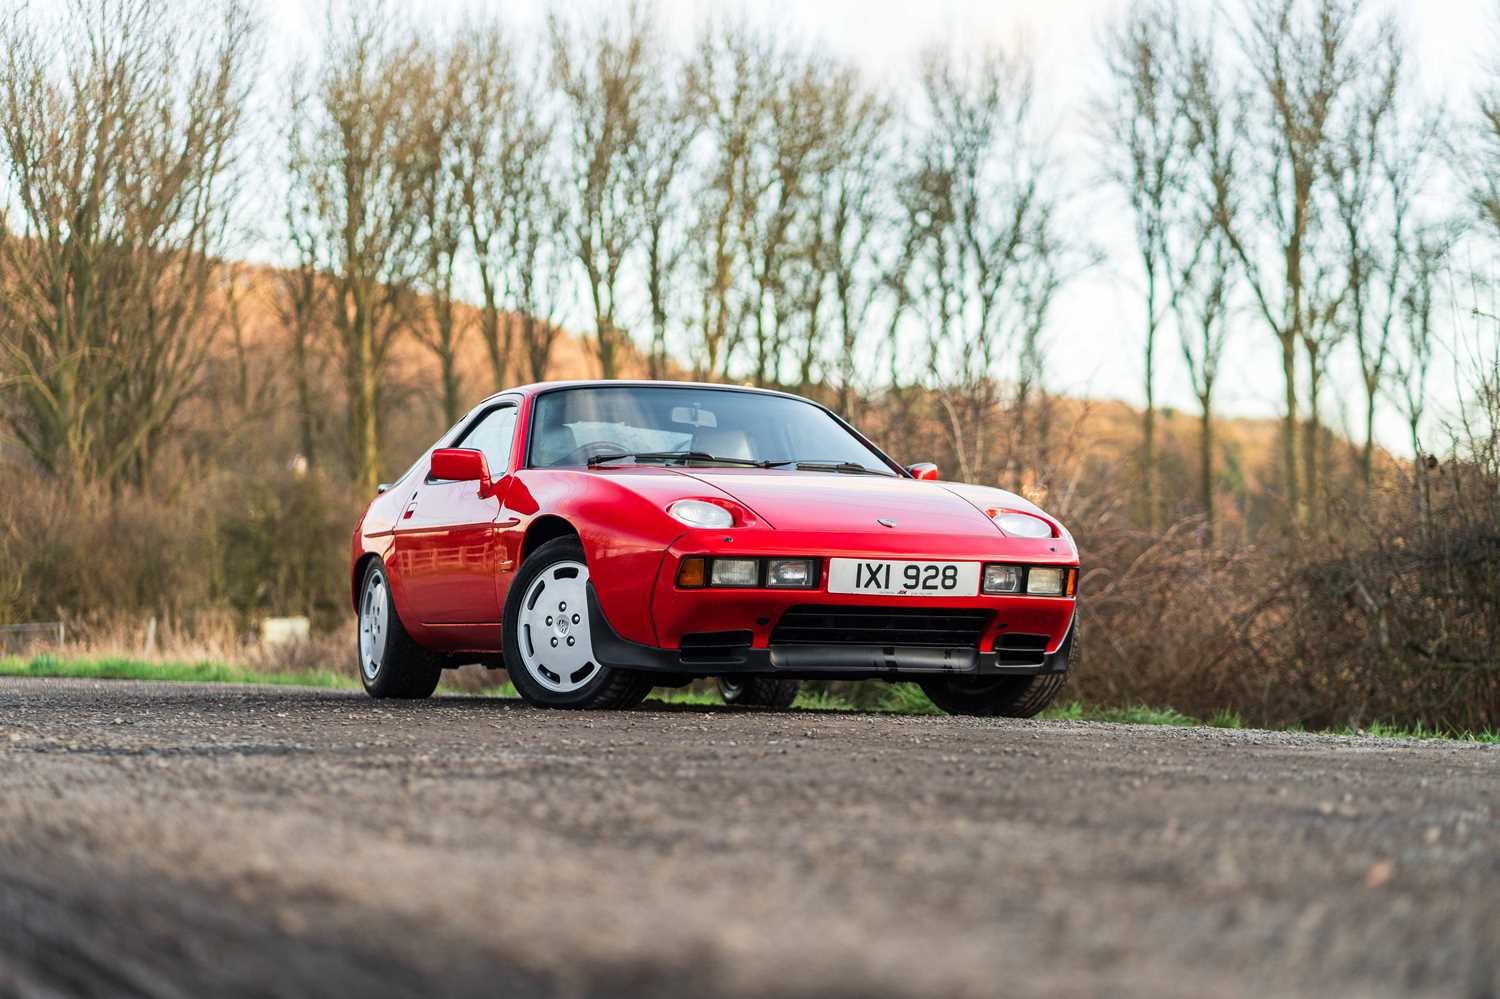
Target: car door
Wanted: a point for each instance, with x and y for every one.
(446, 543)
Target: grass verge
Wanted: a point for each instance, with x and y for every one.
(903, 698)
(110, 668)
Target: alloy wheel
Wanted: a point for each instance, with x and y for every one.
(553, 628)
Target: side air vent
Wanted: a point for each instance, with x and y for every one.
(1020, 650)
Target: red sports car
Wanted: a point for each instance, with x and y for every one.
(598, 539)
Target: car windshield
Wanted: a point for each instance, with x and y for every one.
(669, 424)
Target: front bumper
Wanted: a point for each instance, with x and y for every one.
(841, 661)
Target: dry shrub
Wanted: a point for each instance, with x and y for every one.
(206, 562)
(1378, 619)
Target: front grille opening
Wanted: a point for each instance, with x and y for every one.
(1020, 650)
(714, 646)
(932, 627)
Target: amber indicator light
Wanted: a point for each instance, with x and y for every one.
(691, 572)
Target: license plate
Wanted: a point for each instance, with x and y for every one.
(903, 579)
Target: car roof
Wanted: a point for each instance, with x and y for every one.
(536, 388)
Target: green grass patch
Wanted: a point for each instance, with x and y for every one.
(111, 668)
(687, 695)
(821, 700)
(1418, 731)
(899, 698)
(907, 699)
(1133, 714)
(1225, 718)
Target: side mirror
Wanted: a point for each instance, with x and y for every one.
(461, 464)
(923, 470)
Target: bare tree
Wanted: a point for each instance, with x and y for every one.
(1300, 54)
(1203, 279)
(1143, 132)
(118, 121)
(442, 218)
(1418, 345)
(1375, 168)
(731, 80)
(659, 167)
(513, 203)
(300, 300)
(832, 271)
(353, 158)
(778, 214)
(601, 70)
(854, 218)
(980, 261)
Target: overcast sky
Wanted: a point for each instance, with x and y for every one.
(1094, 331)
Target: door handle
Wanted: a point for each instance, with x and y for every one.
(411, 508)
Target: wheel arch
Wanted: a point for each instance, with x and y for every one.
(547, 527)
(360, 565)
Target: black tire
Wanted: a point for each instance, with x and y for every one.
(758, 691)
(1002, 696)
(390, 663)
(604, 688)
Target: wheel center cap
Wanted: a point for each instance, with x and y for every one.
(562, 625)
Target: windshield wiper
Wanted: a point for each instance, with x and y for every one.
(806, 465)
(665, 456)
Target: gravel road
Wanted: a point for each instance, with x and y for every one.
(184, 840)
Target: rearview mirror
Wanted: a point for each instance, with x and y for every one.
(461, 464)
(923, 470)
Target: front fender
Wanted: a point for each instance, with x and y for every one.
(624, 533)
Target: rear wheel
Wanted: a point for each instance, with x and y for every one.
(758, 691)
(548, 649)
(390, 663)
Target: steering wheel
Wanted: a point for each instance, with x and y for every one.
(581, 454)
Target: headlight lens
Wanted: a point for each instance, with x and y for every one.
(792, 573)
(1045, 581)
(735, 572)
(700, 513)
(1002, 578)
(1023, 525)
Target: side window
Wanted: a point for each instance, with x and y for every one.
(493, 435)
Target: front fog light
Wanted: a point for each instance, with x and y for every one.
(1045, 582)
(1001, 579)
(735, 572)
(793, 573)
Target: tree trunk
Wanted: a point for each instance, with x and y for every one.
(452, 401)
(366, 438)
(1206, 463)
(489, 325)
(1148, 429)
(1289, 428)
(305, 419)
(606, 349)
(1312, 442)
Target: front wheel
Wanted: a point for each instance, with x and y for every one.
(549, 652)
(1002, 696)
(390, 663)
(758, 691)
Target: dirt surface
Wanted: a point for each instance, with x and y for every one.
(193, 840)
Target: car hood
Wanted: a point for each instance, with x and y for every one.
(814, 501)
